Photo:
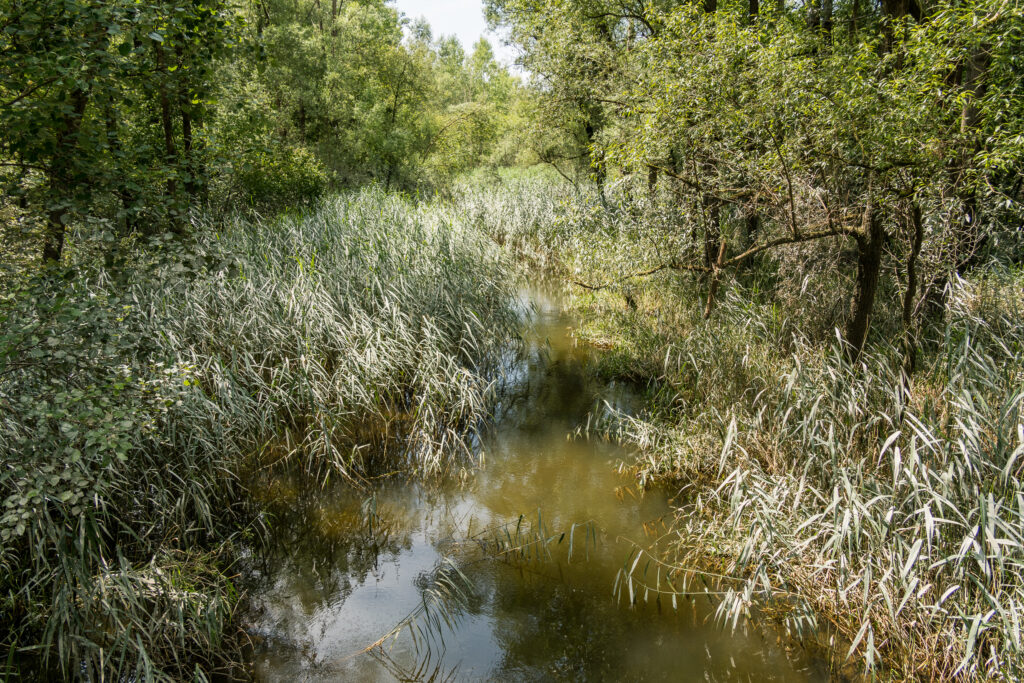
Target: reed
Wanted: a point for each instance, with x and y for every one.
(872, 512)
(360, 335)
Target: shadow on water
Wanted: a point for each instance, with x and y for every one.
(507, 575)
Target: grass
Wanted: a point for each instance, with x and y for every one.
(358, 337)
(876, 515)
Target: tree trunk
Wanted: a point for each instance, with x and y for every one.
(910, 297)
(970, 238)
(124, 195)
(712, 230)
(870, 241)
(63, 177)
(716, 275)
(826, 19)
(600, 176)
(170, 150)
(751, 226)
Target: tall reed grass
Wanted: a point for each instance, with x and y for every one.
(878, 514)
(358, 336)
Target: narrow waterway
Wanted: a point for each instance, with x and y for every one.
(478, 572)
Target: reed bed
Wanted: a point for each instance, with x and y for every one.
(875, 514)
(356, 338)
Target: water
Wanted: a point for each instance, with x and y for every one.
(347, 567)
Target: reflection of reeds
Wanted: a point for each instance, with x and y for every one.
(525, 542)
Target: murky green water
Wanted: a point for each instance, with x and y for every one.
(346, 570)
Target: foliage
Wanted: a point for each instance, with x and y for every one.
(873, 512)
(280, 177)
(889, 132)
(93, 96)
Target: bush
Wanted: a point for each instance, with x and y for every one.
(280, 178)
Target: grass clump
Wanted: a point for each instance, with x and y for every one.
(359, 335)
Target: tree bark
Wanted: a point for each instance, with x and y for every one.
(716, 275)
(164, 100)
(63, 177)
(826, 19)
(910, 297)
(712, 230)
(870, 240)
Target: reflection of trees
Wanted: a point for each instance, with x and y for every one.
(567, 631)
(323, 545)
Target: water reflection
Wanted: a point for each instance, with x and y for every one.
(479, 573)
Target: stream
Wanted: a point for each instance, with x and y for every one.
(477, 570)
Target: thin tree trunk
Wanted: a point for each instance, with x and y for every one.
(185, 108)
(126, 196)
(170, 150)
(712, 230)
(191, 187)
(910, 297)
(63, 178)
(751, 227)
(870, 241)
(716, 275)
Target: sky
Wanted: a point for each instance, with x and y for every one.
(462, 18)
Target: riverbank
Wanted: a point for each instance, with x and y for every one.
(851, 501)
(357, 336)
(306, 402)
(507, 573)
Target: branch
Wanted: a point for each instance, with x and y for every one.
(723, 263)
(635, 17)
(734, 198)
(670, 265)
(803, 237)
(37, 86)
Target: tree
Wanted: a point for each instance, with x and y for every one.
(796, 127)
